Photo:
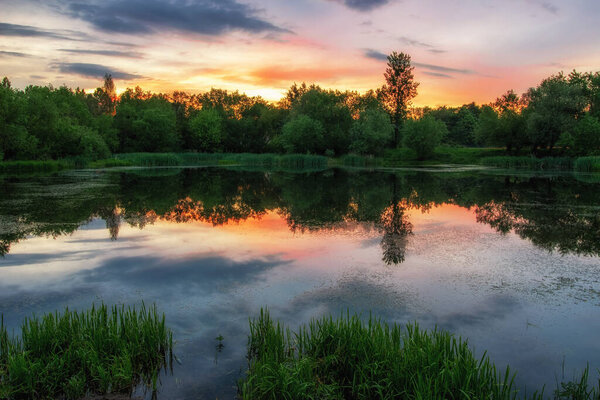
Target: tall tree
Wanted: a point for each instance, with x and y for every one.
(399, 89)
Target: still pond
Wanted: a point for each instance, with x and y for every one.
(508, 260)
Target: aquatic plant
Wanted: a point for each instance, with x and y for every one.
(74, 354)
(350, 358)
(532, 163)
(587, 164)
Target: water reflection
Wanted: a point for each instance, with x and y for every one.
(211, 246)
(556, 213)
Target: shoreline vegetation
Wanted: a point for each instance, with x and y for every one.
(113, 350)
(488, 157)
(352, 358)
(73, 354)
(552, 126)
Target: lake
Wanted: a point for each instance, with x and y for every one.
(507, 260)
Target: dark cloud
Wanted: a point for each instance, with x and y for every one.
(551, 8)
(205, 17)
(436, 51)
(363, 5)
(376, 55)
(414, 42)
(32, 31)
(92, 70)
(439, 68)
(112, 53)
(437, 74)
(13, 54)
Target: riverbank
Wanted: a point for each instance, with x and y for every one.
(490, 157)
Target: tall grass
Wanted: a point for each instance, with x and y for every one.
(244, 159)
(74, 354)
(532, 163)
(29, 166)
(587, 164)
(348, 358)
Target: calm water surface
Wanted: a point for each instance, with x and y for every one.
(509, 261)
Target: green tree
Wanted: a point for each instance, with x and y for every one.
(205, 128)
(301, 135)
(586, 136)
(399, 89)
(424, 135)
(371, 132)
(553, 109)
(329, 108)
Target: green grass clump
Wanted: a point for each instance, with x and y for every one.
(355, 160)
(531, 163)
(587, 164)
(75, 354)
(29, 166)
(347, 358)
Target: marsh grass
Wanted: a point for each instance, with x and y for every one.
(587, 164)
(30, 166)
(74, 354)
(291, 161)
(531, 163)
(348, 358)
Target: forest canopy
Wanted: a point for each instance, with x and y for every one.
(561, 115)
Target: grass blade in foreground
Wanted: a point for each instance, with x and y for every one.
(347, 358)
(74, 354)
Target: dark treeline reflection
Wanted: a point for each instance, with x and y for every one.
(555, 213)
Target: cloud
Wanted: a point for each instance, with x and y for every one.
(439, 68)
(114, 53)
(376, 55)
(363, 5)
(13, 54)
(437, 74)
(205, 17)
(93, 70)
(413, 42)
(417, 43)
(32, 31)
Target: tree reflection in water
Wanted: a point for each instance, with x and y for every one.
(554, 213)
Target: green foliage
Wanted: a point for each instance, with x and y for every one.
(585, 136)
(399, 89)
(553, 108)
(147, 123)
(73, 354)
(205, 131)
(423, 135)
(587, 164)
(302, 135)
(348, 358)
(371, 133)
(531, 163)
(322, 118)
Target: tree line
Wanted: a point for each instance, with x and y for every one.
(561, 115)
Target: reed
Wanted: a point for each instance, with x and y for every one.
(28, 166)
(587, 164)
(531, 163)
(348, 358)
(75, 354)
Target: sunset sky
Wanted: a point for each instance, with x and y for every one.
(463, 51)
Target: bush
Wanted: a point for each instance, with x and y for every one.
(423, 135)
